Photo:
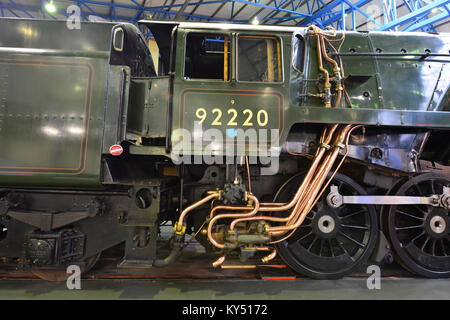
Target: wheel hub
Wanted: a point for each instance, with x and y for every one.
(326, 224)
(436, 224)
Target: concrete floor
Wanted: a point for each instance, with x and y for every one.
(239, 289)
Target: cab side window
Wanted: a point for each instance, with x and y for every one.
(207, 57)
(259, 59)
(299, 53)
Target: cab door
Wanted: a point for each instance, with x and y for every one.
(228, 91)
(260, 87)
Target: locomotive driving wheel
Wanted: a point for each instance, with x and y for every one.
(420, 234)
(331, 242)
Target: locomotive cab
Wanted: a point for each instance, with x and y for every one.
(233, 82)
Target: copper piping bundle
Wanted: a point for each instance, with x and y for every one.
(179, 227)
(254, 210)
(308, 189)
(304, 206)
(313, 184)
(337, 70)
(305, 198)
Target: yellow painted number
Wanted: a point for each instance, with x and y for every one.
(232, 121)
(201, 114)
(262, 114)
(262, 117)
(216, 121)
(247, 122)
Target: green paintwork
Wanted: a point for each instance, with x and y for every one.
(52, 98)
(396, 91)
(62, 105)
(147, 108)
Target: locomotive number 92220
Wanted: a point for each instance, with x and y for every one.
(217, 118)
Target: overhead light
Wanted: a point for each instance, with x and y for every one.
(435, 10)
(255, 21)
(50, 7)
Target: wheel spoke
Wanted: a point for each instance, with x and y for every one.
(343, 249)
(433, 247)
(355, 227)
(408, 228)
(304, 225)
(418, 236)
(321, 247)
(352, 240)
(304, 236)
(443, 247)
(418, 189)
(409, 215)
(331, 247)
(425, 243)
(340, 185)
(433, 190)
(313, 242)
(352, 214)
(424, 212)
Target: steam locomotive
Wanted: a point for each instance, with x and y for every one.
(327, 148)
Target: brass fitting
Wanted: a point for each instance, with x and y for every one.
(179, 230)
(324, 145)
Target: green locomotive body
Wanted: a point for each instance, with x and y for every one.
(225, 91)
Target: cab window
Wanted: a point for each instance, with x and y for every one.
(299, 53)
(207, 57)
(259, 59)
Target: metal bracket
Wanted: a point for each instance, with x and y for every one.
(335, 199)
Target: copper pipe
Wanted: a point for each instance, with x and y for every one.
(321, 176)
(320, 62)
(244, 266)
(337, 168)
(298, 194)
(248, 174)
(231, 215)
(212, 195)
(325, 55)
(284, 238)
(270, 256)
(217, 208)
(304, 204)
(314, 190)
(336, 69)
(341, 162)
(308, 176)
(218, 262)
